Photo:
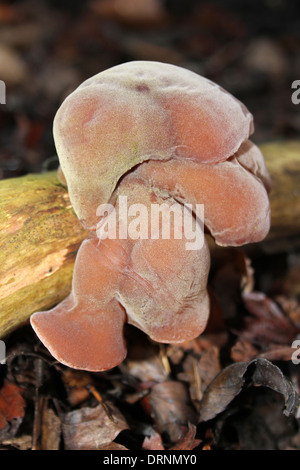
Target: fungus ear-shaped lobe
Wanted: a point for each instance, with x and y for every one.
(206, 122)
(82, 337)
(85, 331)
(251, 158)
(236, 203)
(164, 292)
(163, 287)
(100, 133)
(209, 124)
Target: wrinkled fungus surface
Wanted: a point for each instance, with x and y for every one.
(159, 135)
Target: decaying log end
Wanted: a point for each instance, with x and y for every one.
(283, 162)
(40, 234)
(39, 238)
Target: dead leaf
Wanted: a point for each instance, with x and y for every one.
(276, 352)
(76, 383)
(138, 12)
(13, 70)
(291, 307)
(267, 323)
(243, 350)
(21, 443)
(113, 446)
(12, 404)
(231, 273)
(92, 428)
(200, 372)
(230, 381)
(149, 370)
(51, 429)
(170, 409)
(188, 441)
(7, 13)
(153, 442)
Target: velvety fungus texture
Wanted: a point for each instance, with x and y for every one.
(159, 135)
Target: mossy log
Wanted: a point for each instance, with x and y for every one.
(40, 234)
(39, 238)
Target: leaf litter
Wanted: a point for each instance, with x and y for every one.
(234, 387)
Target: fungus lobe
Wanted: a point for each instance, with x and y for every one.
(161, 135)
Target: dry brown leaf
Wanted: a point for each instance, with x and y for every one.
(231, 274)
(12, 403)
(138, 12)
(50, 429)
(276, 352)
(113, 446)
(21, 443)
(153, 442)
(230, 381)
(149, 370)
(243, 350)
(7, 13)
(291, 307)
(170, 409)
(188, 441)
(76, 383)
(200, 372)
(92, 428)
(267, 323)
(13, 70)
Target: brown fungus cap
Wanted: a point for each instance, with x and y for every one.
(157, 134)
(141, 111)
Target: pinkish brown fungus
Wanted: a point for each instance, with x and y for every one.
(157, 134)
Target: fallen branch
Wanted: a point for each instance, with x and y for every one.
(39, 238)
(40, 235)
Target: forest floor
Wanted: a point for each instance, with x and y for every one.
(237, 385)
